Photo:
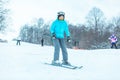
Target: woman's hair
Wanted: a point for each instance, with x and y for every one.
(61, 15)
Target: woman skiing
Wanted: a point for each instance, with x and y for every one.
(57, 29)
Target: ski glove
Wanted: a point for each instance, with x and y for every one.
(53, 36)
(68, 39)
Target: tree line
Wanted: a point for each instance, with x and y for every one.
(93, 34)
(36, 32)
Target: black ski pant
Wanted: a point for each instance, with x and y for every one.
(113, 45)
(18, 42)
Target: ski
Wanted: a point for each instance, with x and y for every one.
(65, 66)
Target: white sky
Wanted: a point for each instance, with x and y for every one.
(24, 11)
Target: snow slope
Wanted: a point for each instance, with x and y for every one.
(25, 62)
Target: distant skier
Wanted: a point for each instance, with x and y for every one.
(18, 41)
(42, 42)
(57, 29)
(113, 40)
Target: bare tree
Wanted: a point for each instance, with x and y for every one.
(96, 20)
(40, 22)
(3, 15)
(116, 21)
(116, 25)
(95, 17)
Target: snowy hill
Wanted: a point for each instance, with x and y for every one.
(25, 62)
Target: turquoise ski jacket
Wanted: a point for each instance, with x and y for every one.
(59, 28)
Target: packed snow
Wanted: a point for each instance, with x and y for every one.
(26, 62)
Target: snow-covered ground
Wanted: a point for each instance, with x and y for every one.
(25, 62)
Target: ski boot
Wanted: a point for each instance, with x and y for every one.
(66, 63)
(57, 63)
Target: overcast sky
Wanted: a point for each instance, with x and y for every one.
(23, 11)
